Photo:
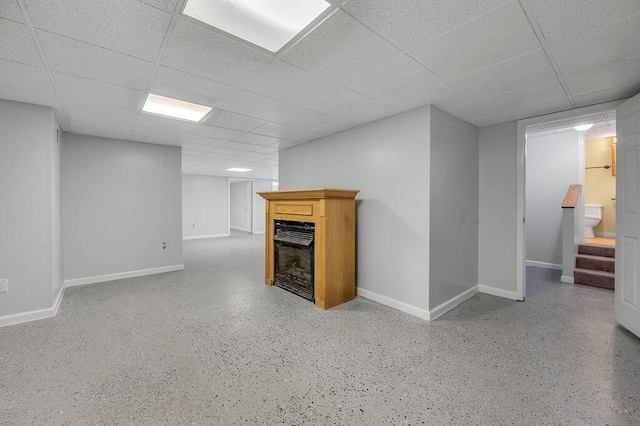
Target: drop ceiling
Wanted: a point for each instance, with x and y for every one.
(486, 62)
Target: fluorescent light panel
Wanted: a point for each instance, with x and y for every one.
(238, 169)
(174, 108)
(583, 127)
(267, 23)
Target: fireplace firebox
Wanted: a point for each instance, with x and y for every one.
(294, 257)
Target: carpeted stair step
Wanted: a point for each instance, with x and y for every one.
(597, 250)
(597, 263)
(594, 278)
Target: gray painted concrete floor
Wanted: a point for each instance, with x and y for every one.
(213, 345)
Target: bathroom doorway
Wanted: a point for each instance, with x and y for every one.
(551, 156)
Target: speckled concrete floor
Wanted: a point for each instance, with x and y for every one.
(213, 345)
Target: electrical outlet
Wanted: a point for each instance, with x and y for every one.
(164, 246)
(4, 285)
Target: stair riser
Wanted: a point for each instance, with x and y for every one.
(596, 264)
(593, 280)
(597, 250)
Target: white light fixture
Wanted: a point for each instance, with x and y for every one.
(267, 23)
(238, 169)
(168, 107)
(583, 127)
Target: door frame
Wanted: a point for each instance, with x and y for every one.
(521, 158)
(249, 200)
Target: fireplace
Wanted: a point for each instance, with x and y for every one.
(294, 257)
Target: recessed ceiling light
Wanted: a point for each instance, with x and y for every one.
(583, 127)
(174, 108)
(238, 169)
(267, 23)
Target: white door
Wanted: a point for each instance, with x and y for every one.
(628, 215)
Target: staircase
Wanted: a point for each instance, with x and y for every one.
(595, 266)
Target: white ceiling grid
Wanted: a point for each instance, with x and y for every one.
(486, 62)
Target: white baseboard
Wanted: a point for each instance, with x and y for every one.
(239, 229)
(120, 275)
(395, 304)
(544, 265)
(204, 237)
(566, 279)
(497, 292)
(605, 234)
(452, 303)
(33, 315)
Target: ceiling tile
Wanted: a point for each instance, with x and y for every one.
(125, 26)
(347, 52)
(505, 76)
(403, 21)
(255, 105)
(99, 120)
(97, 92)
(303, 118)
(16, 43)
(9, 9)
(470, 112)
(208, 54)
(254, 139)
(155, 135)
(281, 131)
(560, 20)
(194, 147)
(238, 146)
(165, 123)
(271, 149)
(348, 105)
(202, 140)
(95, 63)
(599, 46)
(517, 102)
(231, 120)
(188, 153)
(191, 88)
(334, 126)
(287, 83)
(494, 37)
(216, 132)
(609, 76)
(12, 93)
(168, 5)
(24, 77)
(229, 152)
(607, 95)
(286, 144)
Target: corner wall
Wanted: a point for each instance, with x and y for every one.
(388, 161)
(121, 201)
(497, 239)
(29, 218)
(453, 224)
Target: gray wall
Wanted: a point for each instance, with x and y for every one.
(240, 210)
(121, 201)
(388, 161)
(552, 165)
(30, 208)
(260, 185)
(57, 263)
(454, 207)
(205, 203)
(497, 207)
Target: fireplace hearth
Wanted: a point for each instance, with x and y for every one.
(294, 257)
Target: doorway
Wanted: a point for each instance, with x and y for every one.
(550, 125)
(241, 205)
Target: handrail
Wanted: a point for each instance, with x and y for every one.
(571, 199)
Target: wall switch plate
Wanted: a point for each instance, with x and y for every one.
(4, 285)
(164, 246)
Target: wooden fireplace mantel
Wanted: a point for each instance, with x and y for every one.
(333, 212)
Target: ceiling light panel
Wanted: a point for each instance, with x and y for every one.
(174, 108)
(267, 23)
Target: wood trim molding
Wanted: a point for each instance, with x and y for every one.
(309, 194)
(571, 199)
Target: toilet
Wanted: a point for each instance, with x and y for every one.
(592, 217)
